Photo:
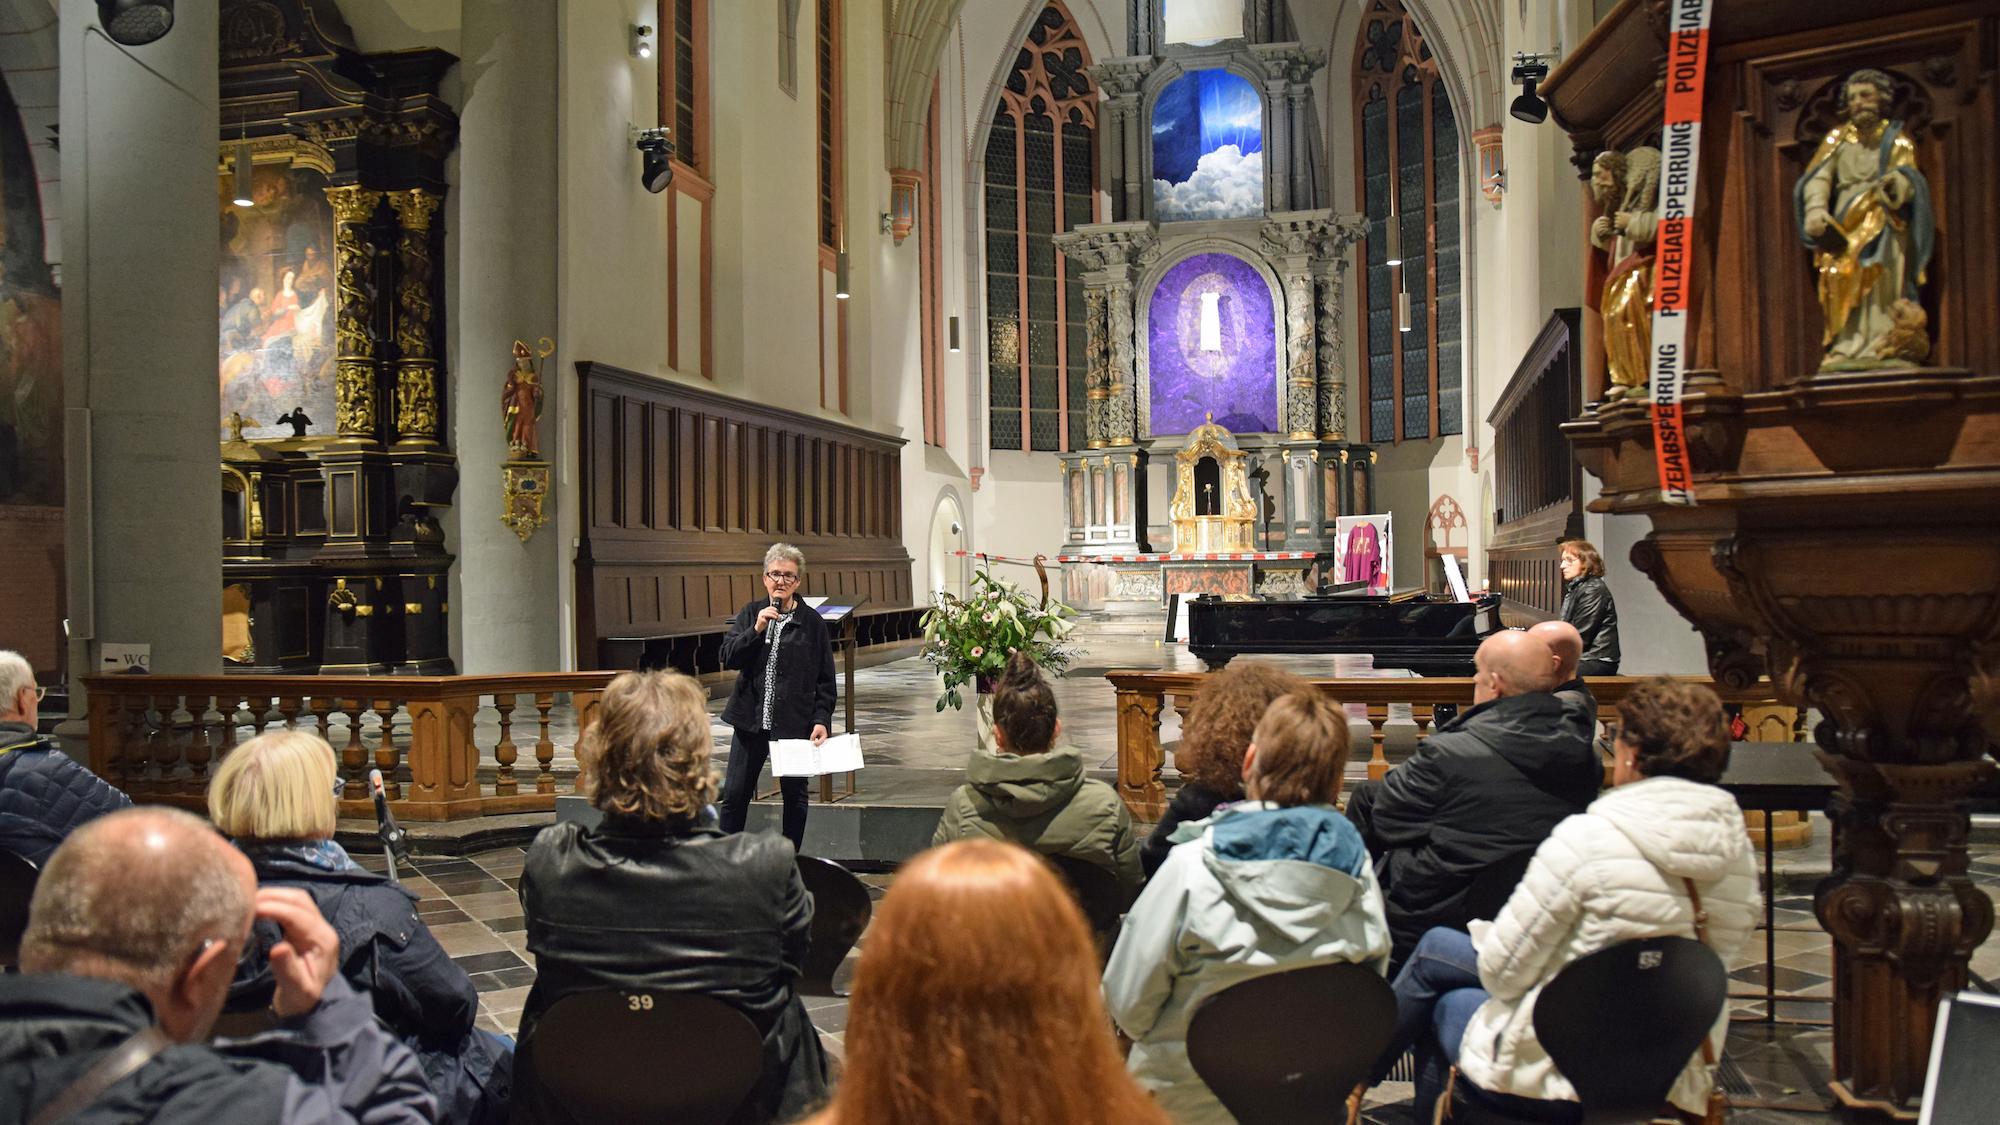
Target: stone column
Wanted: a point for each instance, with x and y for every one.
(418, 393)
(1125, 158)
(1277, 145)
(356, 409)
(1332, 253)
(141, 417)
(1097, 363)
(1121, 410)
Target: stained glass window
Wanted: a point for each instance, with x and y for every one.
(1041, 159)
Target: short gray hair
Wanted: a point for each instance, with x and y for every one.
(788, 553)
(15, 673)
(131, 895)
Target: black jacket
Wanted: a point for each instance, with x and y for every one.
(45, 795)
(331, 1065)
(1488, 785)
(388, 953)
(646, 904)
(1587, 605)
(806, 687)
(1192, 801)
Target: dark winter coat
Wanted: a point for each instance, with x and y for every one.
(678, 906)
(331, 1065)
(1587, 605)
(1192, 801)
(417, 990)
(1045, 804)
(45, 795)
(1488, 785)
(805, 688)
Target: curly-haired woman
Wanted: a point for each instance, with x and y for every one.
(657, 897)
(1210, 758)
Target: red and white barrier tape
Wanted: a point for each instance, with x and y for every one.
(1687, 75)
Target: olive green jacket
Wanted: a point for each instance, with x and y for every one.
(1044, 803)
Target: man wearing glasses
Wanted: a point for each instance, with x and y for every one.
(783, 658)
(44, 795)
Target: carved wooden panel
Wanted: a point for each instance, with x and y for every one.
(684, 488)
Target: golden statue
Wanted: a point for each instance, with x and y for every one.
(1222, 523)
(521, 402)
(1626, 186)
(1865, 210)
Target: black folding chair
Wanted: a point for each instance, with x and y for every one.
(636, 1055)
(17, 888)
(841, 909)
(1621, 1057)
(1492, 887)
(1098, 892)
(1293, 1046)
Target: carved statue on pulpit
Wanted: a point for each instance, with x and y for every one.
(1212, 508)
(1626, 186)
(1865, 210)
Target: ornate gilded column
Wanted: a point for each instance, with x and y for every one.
(356, 407)
(1097, 362)
(417, 378)
(1331, 257)
(1121, 411)
(1289, 241)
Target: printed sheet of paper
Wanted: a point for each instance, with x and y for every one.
(798, 757)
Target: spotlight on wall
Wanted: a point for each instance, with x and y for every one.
(135, 23)
(656, 168)
(242, 170)
(642, 40)
(1393, 243)
(952, 345)
(1529, 70)
(840, 289)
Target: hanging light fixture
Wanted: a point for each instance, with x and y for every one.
(840, 290)
(1403, 309)
(1393, 242)
(242, 170)
(953, 345)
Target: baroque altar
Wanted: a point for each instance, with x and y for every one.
(1213, 313)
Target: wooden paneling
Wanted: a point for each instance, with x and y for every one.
(684, 489)
(1537, 481)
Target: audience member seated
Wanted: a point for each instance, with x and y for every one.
(135, 931)
(1622, 870)
(977, 1003)
(1031, 791)
(1565, 649)
(44, 795)
(658, 897)
(1213, 738)
(275, 796)
(1485, 786)
(1278, 881)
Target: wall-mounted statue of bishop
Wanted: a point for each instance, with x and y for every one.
(1865, 209)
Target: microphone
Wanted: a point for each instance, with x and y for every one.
(395, 838)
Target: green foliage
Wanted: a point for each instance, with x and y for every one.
(969, 637)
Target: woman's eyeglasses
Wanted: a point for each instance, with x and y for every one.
(781, 577)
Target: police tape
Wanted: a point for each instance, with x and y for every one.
(1687, 75)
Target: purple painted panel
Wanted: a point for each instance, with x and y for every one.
(1214, 348)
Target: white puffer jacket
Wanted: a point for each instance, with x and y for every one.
(1609, 874)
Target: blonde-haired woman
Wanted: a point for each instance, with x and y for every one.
(656, 896)
(976, 1003)
(275, 796)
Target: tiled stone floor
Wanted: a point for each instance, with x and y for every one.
(472, 904)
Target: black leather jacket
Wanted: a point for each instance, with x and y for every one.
(1587, 605)
(649, 904)
(805, 689)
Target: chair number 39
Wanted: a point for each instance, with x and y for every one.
(639, 1002)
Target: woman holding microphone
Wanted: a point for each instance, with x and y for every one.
(782, 654)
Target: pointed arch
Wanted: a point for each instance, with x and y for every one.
(1040, 179)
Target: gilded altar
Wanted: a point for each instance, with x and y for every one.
(1212, 508)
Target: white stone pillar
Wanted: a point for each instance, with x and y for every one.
(140, 258)
(507, 607)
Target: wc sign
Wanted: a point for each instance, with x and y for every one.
(115, 658)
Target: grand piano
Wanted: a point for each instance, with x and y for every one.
(1431, 635)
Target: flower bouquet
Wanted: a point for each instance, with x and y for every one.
(970, 638)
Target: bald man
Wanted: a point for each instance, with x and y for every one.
(1485, 787)
(1566, 648)
(133, 937)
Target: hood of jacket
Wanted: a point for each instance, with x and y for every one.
(1295, 870)
(1025, 785)
(1528, 731)
(1684, 828)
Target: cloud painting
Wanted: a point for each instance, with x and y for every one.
(1208, 148)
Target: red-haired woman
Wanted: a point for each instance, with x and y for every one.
(1587, 604)
(976, 1003)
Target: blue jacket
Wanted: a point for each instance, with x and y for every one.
(45, 795)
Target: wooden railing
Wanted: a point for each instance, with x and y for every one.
(160, 738)
(1142, 697)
